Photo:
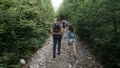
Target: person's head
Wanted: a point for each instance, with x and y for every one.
(71, 28)
(58, 20)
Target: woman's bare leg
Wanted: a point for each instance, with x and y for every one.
(74, 49)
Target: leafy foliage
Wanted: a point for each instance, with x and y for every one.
(96, 22)
(24, 25)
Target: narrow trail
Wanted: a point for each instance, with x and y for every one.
(43, 57)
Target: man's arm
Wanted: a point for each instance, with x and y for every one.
(52, 31)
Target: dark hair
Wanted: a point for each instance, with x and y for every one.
(58, 19)
(71, 28)
(66, 25)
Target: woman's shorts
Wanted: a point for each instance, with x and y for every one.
(73, 40)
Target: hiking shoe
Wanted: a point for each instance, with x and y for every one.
(54, 56)
(75, 57)
(59, 53)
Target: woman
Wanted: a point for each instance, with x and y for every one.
(72, 40)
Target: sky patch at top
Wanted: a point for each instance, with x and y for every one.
(56, 4)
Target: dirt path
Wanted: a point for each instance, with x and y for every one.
(43, 57)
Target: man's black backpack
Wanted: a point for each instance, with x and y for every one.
(56, 28)
(64, 24)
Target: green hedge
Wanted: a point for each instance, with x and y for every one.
(96, 22)
(24, 26)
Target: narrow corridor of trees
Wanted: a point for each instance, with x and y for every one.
(25, 24)
(98, 23)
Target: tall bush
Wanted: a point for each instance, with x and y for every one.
(96, 22)
(24, 25)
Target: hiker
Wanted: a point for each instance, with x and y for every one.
(57, 33)
(66, 30)
(72, 40)
(64, 23)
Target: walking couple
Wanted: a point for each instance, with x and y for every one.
(59, 29)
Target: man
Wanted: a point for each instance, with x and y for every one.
(64, 23)
(57, 33)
